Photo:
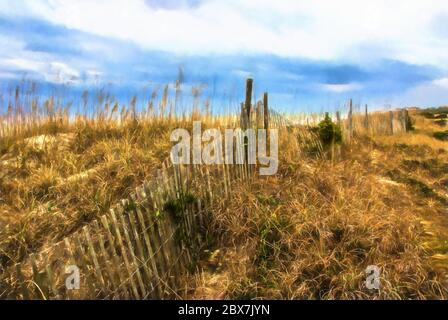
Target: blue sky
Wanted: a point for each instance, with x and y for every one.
(309, 55)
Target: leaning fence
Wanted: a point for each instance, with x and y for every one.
(140, 249)
(143, 247)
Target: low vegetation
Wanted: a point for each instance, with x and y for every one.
(308, 232)
(311, 231)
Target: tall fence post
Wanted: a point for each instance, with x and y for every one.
(406, 120)
(248, 102)
(350, 120)
(266, 110)
(243, 117)
(258, 112)
(366, 118)
(248, 105)
(391, 122)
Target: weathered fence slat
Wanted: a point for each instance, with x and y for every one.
(128, 243)
(93, 256)
(149, 249)
(115, 259)
(105, 258)
(124, 254)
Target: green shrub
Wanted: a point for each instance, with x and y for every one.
(427, 114)
(441, 135)
(329, 131)
(441, 123)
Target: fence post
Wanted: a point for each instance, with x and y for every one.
(391, 122)
(243, 117)
(258, 111)
(266, 110)
(406, 120)
(350, 120)
(248, 102)
(366, 118)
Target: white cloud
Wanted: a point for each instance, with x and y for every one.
(319, 29)
(340, 88)
(62, 73)
(53, 71)
(442, 82)
(428, 94)
(242, 73)
(16, 61)
(24, 64)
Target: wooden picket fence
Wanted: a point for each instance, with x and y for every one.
(146, 244)
(377, 123)
(356, 123)
(140, 249)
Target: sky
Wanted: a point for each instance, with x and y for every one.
(309, 55)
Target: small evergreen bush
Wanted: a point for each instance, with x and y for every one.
(329, 131)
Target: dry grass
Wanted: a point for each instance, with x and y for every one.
(51, 189)
(310, 231)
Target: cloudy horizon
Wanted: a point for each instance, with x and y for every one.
(307, 55)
